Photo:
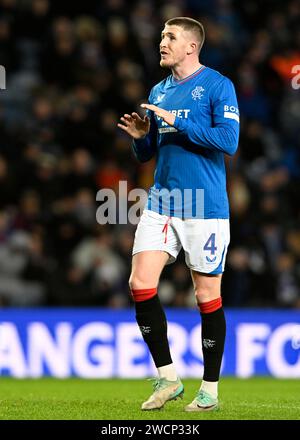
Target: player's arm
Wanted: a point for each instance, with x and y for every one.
(224, 134)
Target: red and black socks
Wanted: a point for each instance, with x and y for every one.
(151, 319)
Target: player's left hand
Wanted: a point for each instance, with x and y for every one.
(168, 117)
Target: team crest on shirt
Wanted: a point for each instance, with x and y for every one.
(197, 93)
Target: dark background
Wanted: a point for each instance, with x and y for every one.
(72, 70)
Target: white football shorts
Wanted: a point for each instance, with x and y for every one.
(205, 241)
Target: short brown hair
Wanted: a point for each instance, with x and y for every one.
(189, 24)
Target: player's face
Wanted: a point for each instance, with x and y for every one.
(174, 46)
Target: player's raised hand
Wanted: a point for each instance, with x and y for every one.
(134, 125)
(168, 117)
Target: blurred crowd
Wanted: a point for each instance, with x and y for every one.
(72, 69)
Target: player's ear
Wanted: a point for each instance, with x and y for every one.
(191, 48)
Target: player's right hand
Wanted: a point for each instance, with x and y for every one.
(134, 125)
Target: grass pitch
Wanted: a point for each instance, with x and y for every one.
(79, 399)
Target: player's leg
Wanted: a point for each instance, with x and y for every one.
(208, 297)
(205, 243)
(146, 269)
(155, 245)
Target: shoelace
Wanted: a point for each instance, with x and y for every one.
(203, 396)
(157, 383)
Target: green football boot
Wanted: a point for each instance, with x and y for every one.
(203, 402)
(164, 390)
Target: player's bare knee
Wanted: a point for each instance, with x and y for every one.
(205, 295)
(136, 282)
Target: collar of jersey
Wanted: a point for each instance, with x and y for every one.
(187, 78)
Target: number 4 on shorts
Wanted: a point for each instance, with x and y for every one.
(210, 244)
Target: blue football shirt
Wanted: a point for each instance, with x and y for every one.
(190, 164)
